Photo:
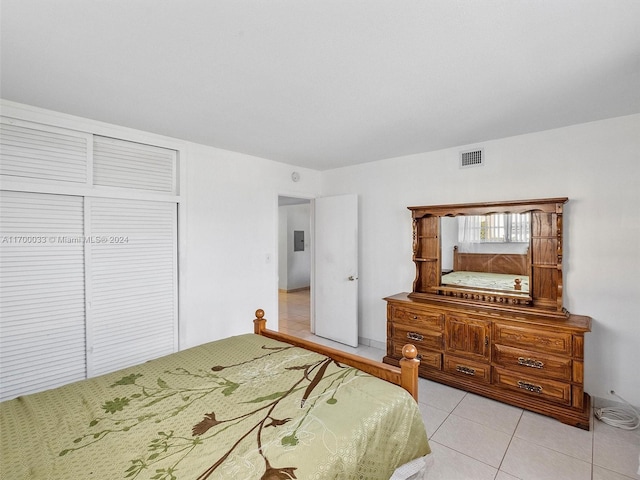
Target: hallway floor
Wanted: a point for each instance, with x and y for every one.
(294, 308)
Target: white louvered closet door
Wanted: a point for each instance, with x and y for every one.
(132, 299)
(88, 275)
(42, 297)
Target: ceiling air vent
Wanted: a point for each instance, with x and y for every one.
(472, 158)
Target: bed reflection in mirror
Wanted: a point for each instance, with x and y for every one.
(486, 252)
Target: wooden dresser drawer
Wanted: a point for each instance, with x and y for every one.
(532, 363)
(551, 390)
(420, 337)
(532, 339)
(462, 367)
(427, 358)
(420, 317)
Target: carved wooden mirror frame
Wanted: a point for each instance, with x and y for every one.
(545, 255)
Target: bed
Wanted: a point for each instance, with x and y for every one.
(256, 406)
(489, 271)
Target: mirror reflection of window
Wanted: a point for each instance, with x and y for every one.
(497, 227)
(494, 233)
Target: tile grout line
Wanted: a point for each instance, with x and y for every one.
(513, 435)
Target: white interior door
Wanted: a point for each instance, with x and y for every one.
(335, 300)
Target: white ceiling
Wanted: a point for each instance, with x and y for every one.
(326, 83)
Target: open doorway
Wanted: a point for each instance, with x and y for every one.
(294, 265)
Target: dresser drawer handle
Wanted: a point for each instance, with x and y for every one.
(465, 370)
(529, 387)
(414, 336)
(530, 362)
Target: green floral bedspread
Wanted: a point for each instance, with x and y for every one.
(246, 407)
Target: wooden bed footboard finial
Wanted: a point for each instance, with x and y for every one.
(409, 365)
(260, 323)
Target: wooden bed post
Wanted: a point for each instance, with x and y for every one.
(409, 370)
(260, 323)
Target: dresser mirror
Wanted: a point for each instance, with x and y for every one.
(486, 252)
(503, 253)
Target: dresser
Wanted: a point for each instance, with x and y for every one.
(518, 347)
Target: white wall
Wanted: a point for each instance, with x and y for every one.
(596, 165)
(294, 267)
(232, 240)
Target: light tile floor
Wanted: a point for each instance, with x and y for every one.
(474, 438)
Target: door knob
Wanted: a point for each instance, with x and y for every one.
(352, 278)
